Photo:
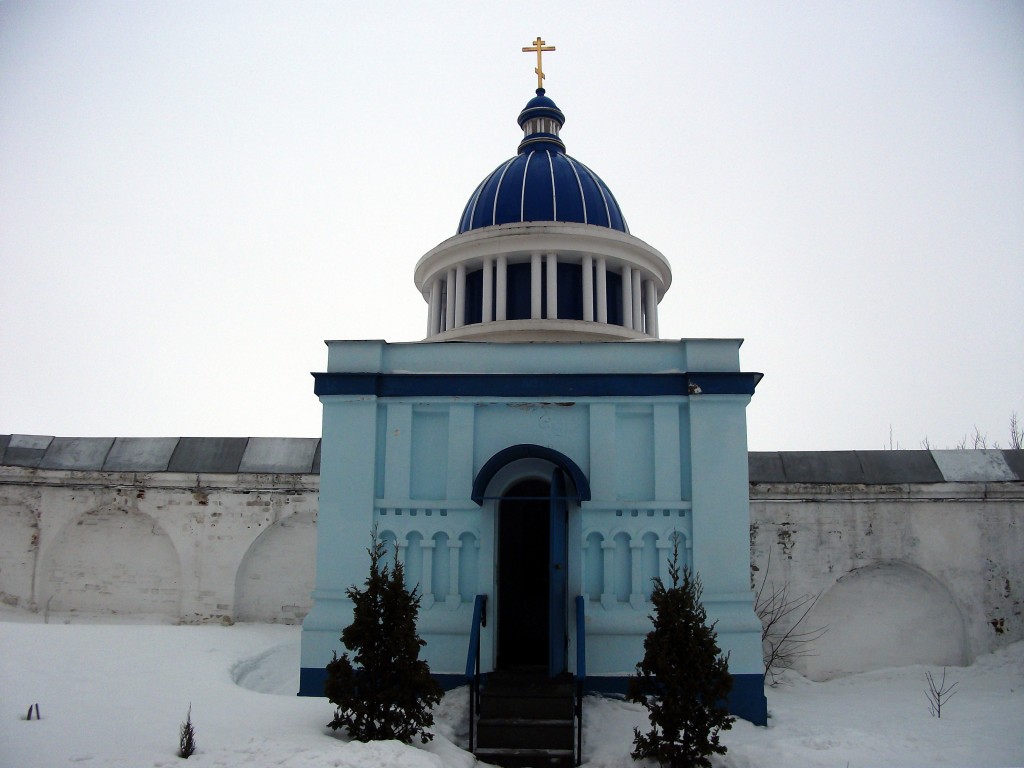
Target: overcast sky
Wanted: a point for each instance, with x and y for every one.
(194, 195)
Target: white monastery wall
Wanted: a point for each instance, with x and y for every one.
(929, 570)
(188, 546)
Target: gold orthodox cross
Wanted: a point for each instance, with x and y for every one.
(539, 47)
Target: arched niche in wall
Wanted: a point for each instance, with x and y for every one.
(112, 561)
(889, 614)
(18, 547)
(278, 572)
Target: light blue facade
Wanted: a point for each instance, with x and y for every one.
(654, 465)
(541, 444)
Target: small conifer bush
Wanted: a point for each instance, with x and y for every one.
(384, 691)
(187, 736)
(683, 679)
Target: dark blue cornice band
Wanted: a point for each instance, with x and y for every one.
(560, 385)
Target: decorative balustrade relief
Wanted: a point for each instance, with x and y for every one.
(438, 544)
(625, 549)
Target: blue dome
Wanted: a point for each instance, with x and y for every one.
(542, 183)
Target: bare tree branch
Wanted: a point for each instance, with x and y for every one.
(783, 638)
(1016, 432)
(938, 694)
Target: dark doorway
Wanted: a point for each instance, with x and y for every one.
(523, 575)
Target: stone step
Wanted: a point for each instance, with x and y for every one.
(523, 706)
(522, 733)
(527, 758)
(526, 719)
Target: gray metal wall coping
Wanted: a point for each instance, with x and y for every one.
(301, 455)
(208, 454)
(886, 467)
(279, 454)
(26, 450)
(212, 455)
(140, 454)
(77, 453)
(1015, 461)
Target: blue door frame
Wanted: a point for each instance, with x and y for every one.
(558, 519)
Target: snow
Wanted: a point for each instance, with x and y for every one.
(116, 694)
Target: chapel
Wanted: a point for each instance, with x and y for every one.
(538, 458)
(536, 461)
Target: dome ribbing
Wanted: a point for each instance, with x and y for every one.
(542, 183)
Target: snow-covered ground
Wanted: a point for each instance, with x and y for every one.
(116, 694)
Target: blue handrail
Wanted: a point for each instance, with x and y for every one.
(581, 638)
(479, 620)
(473, 663)
(581, 672)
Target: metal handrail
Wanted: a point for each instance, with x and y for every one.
(581, 672)
(473, 664)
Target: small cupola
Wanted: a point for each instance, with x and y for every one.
(541, 121)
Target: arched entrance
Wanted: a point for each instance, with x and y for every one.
(532, 575)
(531, 488)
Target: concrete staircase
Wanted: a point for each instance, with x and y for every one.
(526, 719)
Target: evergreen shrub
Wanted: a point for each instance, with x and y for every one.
(683, 679)
(187, 737)
(384, 691)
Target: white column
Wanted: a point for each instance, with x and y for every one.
(402, 548)
(449, 310)
(460, 295)
(439, 318)
(427, 596)
(636, 561)
(501, 289)
(608, 598)
(627, 297)
(602, 290)
(552, 269)
(583, 568)
(454, 597)
(434, 313)
(588, 287)
(638, 307)
(535, 286)
(487, 306)
(665, 550)
(651, 308)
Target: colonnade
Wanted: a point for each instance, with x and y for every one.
(639, 295)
